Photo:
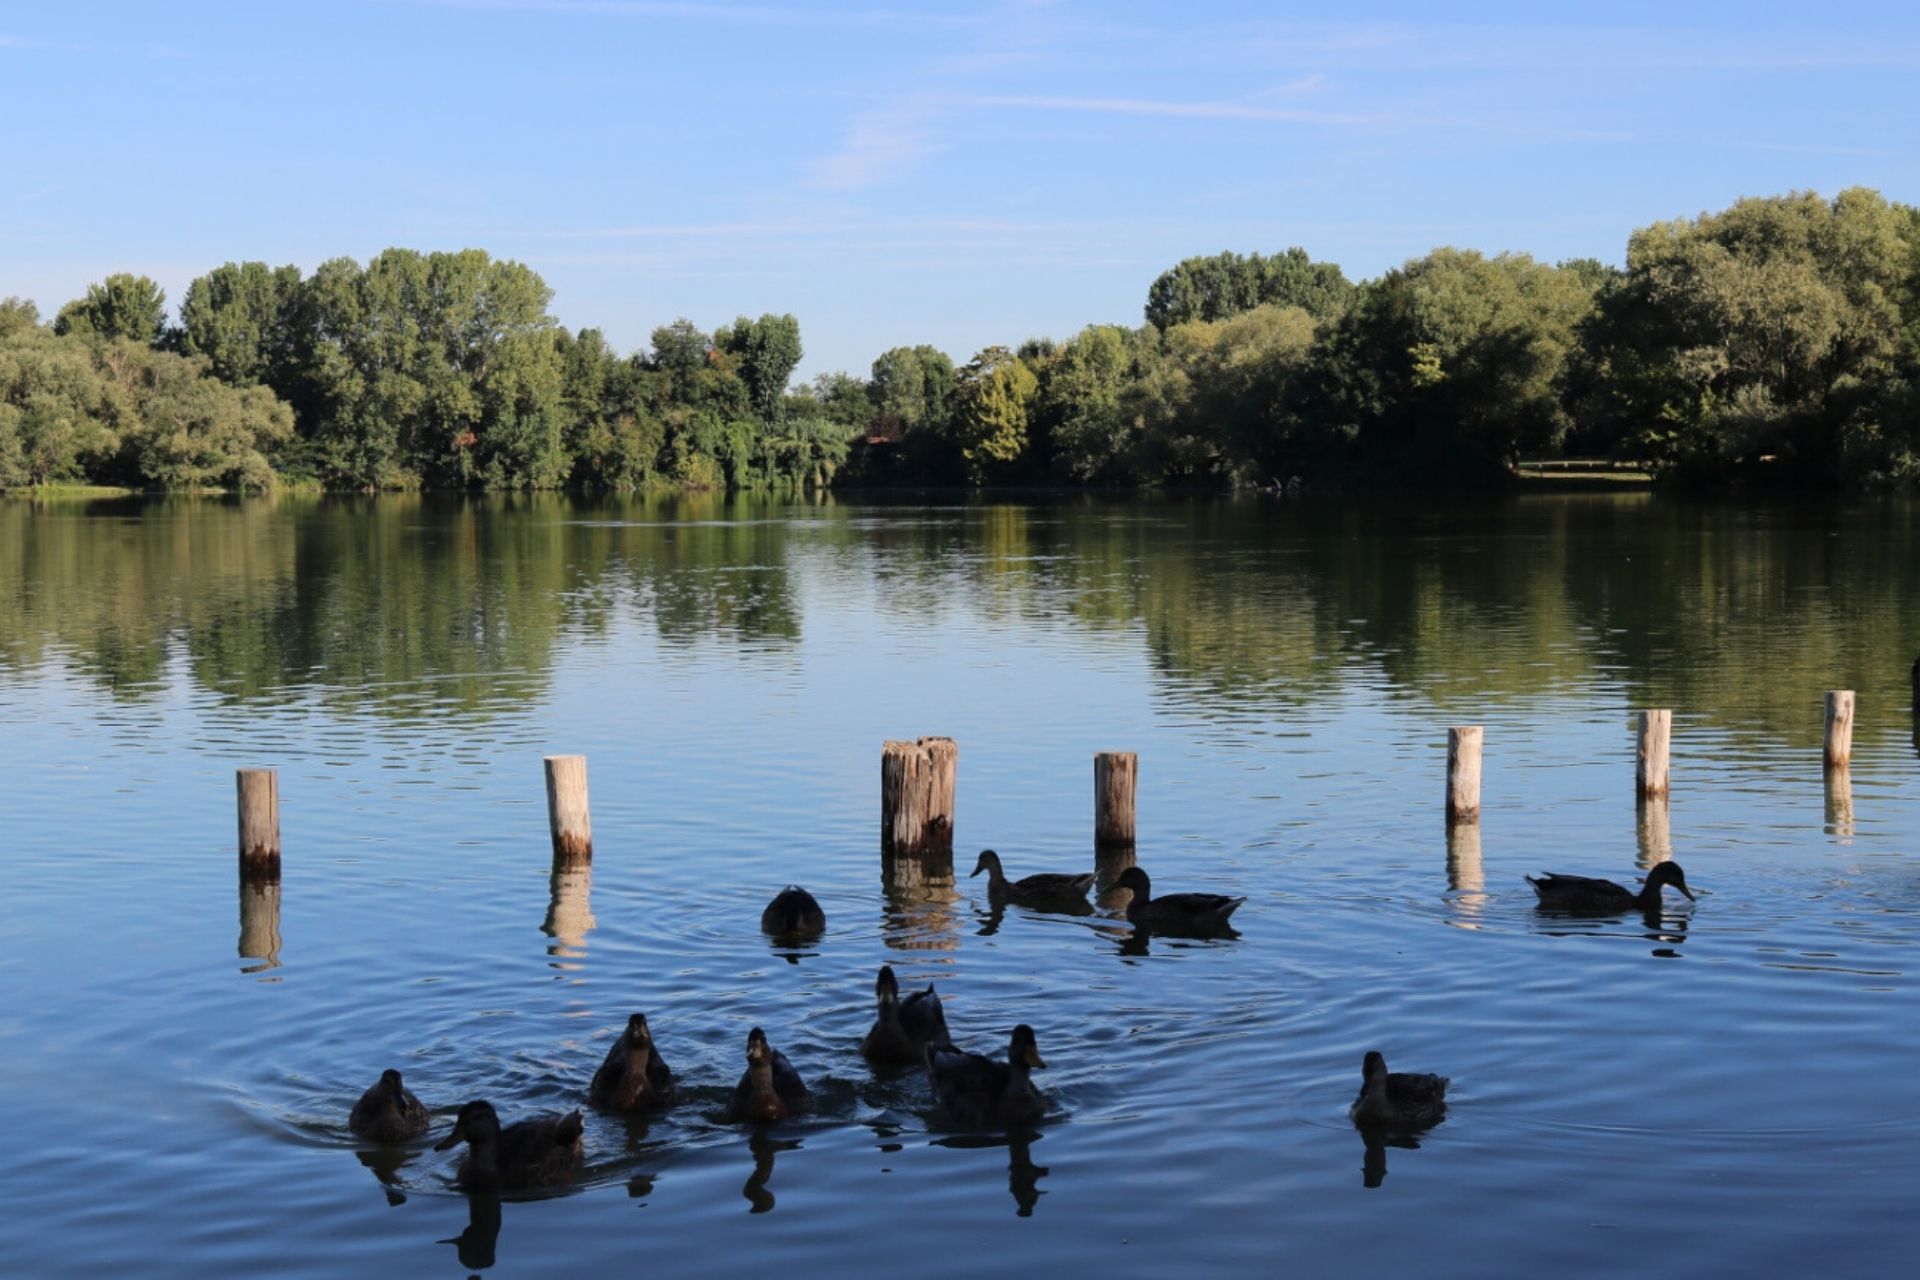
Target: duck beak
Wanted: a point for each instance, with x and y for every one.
(1682, 888)
(976, 871)
(452, 1140)
(1034, 1059)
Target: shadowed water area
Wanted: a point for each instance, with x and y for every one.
(1724, 1087)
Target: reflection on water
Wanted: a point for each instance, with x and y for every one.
(569, 909)
(920, 906)
(259, 922)
(1374, 1142)
(476, 1245)
(1023, 1175)
(1653, 832)
(385, 1163)
(763, 1146)
(1839, 795)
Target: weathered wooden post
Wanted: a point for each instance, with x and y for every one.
(1839, 728)
(567, 816)
(1650, 772)
(260, 921)
(1463, 773)
(1116, 776)
(916, 798)
(258, 791)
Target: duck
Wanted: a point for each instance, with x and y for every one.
(1175, 912)
(1048, 887)
(1397, 1099)
(1586, 894)
(770, 1090)
(540, 1151)
(388, 1111)
(633, 1077)
(980, 1092)
(903, 1029)
(793, 913)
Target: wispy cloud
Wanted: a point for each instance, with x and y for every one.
(1172, 108)
(880, 144)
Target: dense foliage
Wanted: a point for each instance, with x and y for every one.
(1778, 339)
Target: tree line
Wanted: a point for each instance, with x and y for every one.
(1775, 341)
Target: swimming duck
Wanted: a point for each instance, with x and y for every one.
(1585, 894)
(1398, 1099)
(528, 1153)
(793, 913)
(388, 1111)
(902, 1029)
(770, 1090)
(982, 1093)
(633, 1076)
(1175, 912)
(1031, 891)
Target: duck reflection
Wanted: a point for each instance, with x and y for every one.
(1373, 1164)
(477, 1244)
(385, 1163)
(1653, 832)
(1840, 803)
(569, 910)
(764, 1147)
(1023, 1175)
(260, 921)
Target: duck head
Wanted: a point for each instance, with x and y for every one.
(390, 1085)
(759, 1052)
(639, 1038)
(886, 988)
(477, 1124)
(1373, 1067)
(1669, 873)
(1025, 1049)
(1135, 879)
(989, 861)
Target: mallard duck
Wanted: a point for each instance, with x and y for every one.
(388, 1111)
(1586, 894)
(1031, 891)
(1175, 912)
(902, 1029)
(1398, 1099)
(528, 1153)
(981, 1093)
(633, 1077)
(770, 1090)
(793, 913)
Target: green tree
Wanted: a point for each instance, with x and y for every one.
(1082, 398)
(765, 352)
(992, 397)
(1226, 284)
(240, 317)
(121, 306)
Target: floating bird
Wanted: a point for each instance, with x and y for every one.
(770, 1090)
(1197, 913)
(388, 1112)
(982, 1093)
(903, 1029)
(1398, 1099)
(528, 1153)
(633, 1077)
(1604, 897)
(793, 913)
(1044, 889)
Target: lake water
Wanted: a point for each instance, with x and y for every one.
(1728, 1089)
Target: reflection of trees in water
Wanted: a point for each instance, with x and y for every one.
(415, 605)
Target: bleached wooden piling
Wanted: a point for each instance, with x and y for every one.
(258, 793)
(1839, 728)
(916, 798)
(1650, 772)
(567, 814)
(1116, 776)
(1463, 773)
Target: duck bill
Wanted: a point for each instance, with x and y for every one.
(1035, 1060)
(1682, 888)
(452, 1140)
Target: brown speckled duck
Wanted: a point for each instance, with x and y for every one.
(902, 1029)
(542, 1151)
(1398, 1099)
(981, 1093)
(770, 1090)
(1047, 888)
(388, 1111)
(633, 1077)
(793, 913)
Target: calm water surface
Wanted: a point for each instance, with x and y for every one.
(1727, 1089)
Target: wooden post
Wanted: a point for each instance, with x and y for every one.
(258, 791)
(1116, 775)
(916, 798)
(1463, 773)
(1839, 728)
(1650, 774)
(567, 808)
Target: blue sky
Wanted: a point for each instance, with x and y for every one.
(955, 173)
